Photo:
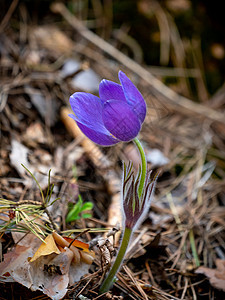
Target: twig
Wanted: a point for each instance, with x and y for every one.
(79, 234)
(8, 15)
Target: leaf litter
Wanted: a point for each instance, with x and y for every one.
(216, 276)
(186, 223)
(43, 266)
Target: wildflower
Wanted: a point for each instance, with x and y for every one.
(114, 117)
(117, 115)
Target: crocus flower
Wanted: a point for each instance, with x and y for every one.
(135, 207)
(117, 115)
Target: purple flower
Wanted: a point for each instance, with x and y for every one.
(135, 207)
(114, 117)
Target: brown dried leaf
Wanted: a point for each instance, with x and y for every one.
(15, 266)
(46, 248)
(61, 263)
(52, 284)
(216, 276)
(48, 272)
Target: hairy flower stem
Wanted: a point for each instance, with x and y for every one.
(143, 166)
(115, 268)
(127, 231)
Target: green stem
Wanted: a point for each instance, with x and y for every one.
(143, 166)
(128, 231)
(115, 268)
(193, 247)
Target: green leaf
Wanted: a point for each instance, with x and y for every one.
(75, 210)
(85, 216)
(73, 214)
(87, 206)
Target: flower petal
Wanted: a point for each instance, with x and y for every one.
(109, 90)
(88, 110)
(101, 138)
(133, 96)
(120, 120)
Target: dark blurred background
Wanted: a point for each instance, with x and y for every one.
(167, 33)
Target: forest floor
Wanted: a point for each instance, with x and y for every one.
(179, 250)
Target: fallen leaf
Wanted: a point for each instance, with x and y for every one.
(63, 243)
(60, 264)
(86, 255)
(216, 276)
(46, 248)
(15, 266)
(77, 271)
(54, 285)
(51, 269)
(76, 243)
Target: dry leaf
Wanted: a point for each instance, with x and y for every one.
(54, 285)
(86, 255)
(46, 248)
(52, 267)
(216, 276)
(15, 266)
(24, 239)
(61, 263)
(78, 244)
